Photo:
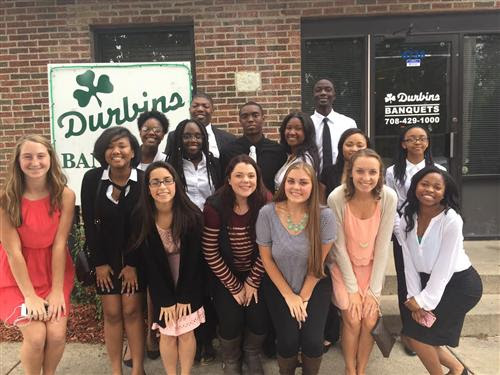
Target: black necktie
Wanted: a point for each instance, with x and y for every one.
(327, 145)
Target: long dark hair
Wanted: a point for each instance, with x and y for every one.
(402, 154)
(226, 194)
(176, 153)
(185, 213)
(412, 204)
(309, 144)
(339, 165)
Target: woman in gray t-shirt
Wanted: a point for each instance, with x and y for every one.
(295, 235)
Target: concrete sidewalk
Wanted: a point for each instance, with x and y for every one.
(480, 355)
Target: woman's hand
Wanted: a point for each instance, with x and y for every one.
(240, 297)
(418, 316)
(298, 308)
(103, 277)
(412, 305)
(36, 308)
(183, 310)
(169, 314)
(129, 280)
(355, 305)
(370, 305)
(57, 305)
(250, 292)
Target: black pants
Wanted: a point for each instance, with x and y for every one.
(290, 338)
(332, 327)
(400, 276)
(234, 318)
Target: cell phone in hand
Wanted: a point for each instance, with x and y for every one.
(428, 319)
(24, 310)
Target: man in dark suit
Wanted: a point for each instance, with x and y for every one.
(201, 109)
(269, 155)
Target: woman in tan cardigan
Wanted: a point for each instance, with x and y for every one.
(364, 210)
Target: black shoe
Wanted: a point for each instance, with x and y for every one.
(153, 354)
(209, 354)
(127, 362)
(408, 351)
(326, 347)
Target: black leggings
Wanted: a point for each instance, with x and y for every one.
(234, 318)
(289, 337)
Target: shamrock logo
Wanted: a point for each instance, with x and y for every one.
(87, 80)
(389, 98)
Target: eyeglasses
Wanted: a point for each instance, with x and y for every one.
(188, 137)
(416, 139)
(157, 183)
(155, 130)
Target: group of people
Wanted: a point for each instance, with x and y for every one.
(230, 237)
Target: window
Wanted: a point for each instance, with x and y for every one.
(342, 62)
(481, 129)
(167, 44)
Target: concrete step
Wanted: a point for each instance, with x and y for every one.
(484, 255)
(482, 320)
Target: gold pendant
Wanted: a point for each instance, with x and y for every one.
(364, 245)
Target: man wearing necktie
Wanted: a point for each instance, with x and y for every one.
(329, 125)
(269, 155)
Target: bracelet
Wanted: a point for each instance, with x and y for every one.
(305, 300)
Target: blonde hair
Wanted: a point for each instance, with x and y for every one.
(315, 258)
(10, 199)
(349, 184)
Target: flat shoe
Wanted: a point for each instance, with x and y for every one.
(408, 351)
(127, 362)
(153, 354)
(326, 347)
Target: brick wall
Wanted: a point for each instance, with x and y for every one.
(230, 36)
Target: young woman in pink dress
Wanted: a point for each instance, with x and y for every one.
(36, 212)
(365, 210)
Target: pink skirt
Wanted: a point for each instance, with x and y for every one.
(340, 295)
(185, 324)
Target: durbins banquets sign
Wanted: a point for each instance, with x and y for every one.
(86, 99)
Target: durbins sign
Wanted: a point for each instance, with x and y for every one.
(85, 99)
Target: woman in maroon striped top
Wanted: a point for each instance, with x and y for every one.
(231, 252)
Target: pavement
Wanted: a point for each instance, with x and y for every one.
(481, 355)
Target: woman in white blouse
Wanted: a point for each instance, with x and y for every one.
(441, 282)
(414, 153)
(298, 137)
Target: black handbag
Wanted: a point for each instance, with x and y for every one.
(85, 272)
(84, 269)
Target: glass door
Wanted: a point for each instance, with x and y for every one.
(413, 85)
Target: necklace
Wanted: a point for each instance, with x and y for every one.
(299, 226)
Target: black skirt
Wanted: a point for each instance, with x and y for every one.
(461, 294)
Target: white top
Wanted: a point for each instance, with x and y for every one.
(338, 124)
(212, 143)
(109, 191)
(160, 156)
(411, 170)
(440, 254)
(290, 161)
(198, 188)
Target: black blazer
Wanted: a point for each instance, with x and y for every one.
(222, 138)
(159, 278)
(108, 240)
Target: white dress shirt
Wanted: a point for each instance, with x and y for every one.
(212, 143)
(278, 178)
(197, 184)
(160, 156)
(411, 170)
(338, 124)
(440, 253)
(109, 191)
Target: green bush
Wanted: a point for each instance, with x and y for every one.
(81, 294)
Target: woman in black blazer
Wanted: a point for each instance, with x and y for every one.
(171, 257)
